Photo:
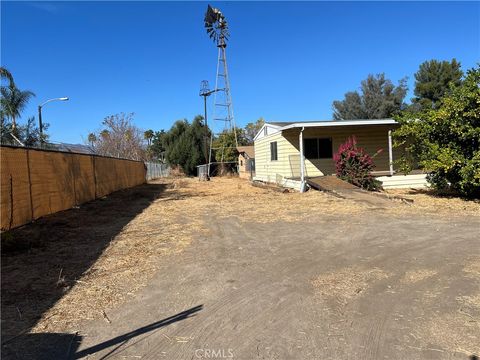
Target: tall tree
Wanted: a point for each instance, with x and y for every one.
(157, 149)
(446, 141)
(378, 99)
(184, 144)
(7, 75)
(432, 82)
(13, 102)
(119, 138)
(225, 145)
(252, 128)
(28, 134)
(148, 135)
(92, 138)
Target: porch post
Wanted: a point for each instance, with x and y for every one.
(390, 153)
(302, 162)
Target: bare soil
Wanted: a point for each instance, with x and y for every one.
(186, 269)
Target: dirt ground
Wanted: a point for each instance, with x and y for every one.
(182, 269)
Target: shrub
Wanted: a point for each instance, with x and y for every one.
(445, 142)
(354, 165)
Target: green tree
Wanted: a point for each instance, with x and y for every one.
(446, 141)
(148, 135)
(157, 148)
(13, 102)
(432, 82)
(378, 99)
(252, 128)
(184, 144)
(226, 147)
(5, 74)
(28, 134)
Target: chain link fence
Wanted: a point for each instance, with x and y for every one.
(156, 170)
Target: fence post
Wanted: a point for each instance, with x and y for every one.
(72, 164)
(11, 203)
(30, 185)
(94, 176)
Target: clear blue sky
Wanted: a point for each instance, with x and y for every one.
(287, 61)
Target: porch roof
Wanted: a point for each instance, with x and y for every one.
(331, 123)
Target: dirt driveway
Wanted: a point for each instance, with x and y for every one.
(266, 275)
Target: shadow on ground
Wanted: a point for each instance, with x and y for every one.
(46, 346)
(121, 340)
(42, 260)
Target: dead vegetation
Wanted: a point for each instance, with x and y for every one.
(84, 262)
(347, 284)
(427, 201)
(456, 331)
(413, 276)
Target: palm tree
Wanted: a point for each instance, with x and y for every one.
(5, 74)
(13, 102)
(92, 138)
(148, 135)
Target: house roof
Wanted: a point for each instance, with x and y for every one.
(284, 125)
(247, 150)
(76, 148)
(328, 123)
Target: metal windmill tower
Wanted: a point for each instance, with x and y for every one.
(223, 120)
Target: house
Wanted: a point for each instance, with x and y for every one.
(246, 161)
(279, 146)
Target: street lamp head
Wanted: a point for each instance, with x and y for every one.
(63, 98)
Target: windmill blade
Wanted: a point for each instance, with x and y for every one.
(215, 24)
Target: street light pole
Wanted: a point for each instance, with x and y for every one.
(40, 123)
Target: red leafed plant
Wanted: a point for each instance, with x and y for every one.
(354, 165)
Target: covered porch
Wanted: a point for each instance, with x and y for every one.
(317, 142)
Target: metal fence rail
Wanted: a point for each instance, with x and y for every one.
(157, 170)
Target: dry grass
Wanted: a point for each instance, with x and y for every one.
(455, 332)
(166, 227)
(472, 301)
(172, 221)
(472, 268)
(237, 197)
(426, 201)
(413, 276)
(125, 266)
(346, 284)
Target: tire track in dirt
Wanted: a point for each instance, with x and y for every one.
(228, 312)
(264, 305)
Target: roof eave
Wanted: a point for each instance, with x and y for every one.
(340, 123)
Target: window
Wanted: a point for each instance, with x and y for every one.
(273, 151)
(241, 162)
(318, 148)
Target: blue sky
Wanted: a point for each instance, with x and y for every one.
(287, 60)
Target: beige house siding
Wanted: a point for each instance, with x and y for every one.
(269, 170)
(242, 167)
(371, 138)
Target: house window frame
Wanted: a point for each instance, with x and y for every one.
(318, 157)
(273, 151)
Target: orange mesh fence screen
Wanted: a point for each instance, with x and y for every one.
(84, 178)
(52, 182)
(35, 183)
(16, 208)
